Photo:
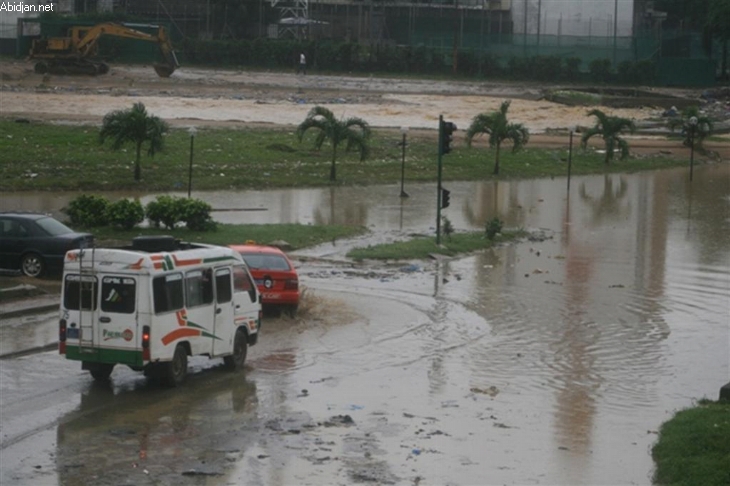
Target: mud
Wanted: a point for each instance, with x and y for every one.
(202, 97)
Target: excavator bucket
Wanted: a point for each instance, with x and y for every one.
(164, 70)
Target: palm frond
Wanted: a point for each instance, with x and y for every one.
(481, 124)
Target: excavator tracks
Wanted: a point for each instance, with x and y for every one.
(71, 66)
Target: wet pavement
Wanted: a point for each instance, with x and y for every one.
(549, 361)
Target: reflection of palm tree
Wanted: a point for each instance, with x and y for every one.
(608, 205)
(488, 204)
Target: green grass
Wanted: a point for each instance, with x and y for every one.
(423, 246)
(39, 156)
(297, 235)
(694, 447)
(573, 98)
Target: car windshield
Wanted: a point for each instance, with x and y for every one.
(53, 227)
(262, 260)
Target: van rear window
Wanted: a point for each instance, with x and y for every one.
(79, 293)
(118, 295)
(168, 293)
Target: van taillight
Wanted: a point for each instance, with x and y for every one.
(145, 343)
(62, 336)
(291, 284)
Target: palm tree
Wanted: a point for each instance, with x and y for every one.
(694, 131)
(610, 129)
(355, 131)
(134, 125)
(499, 129)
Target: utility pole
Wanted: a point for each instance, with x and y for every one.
(455, 55)
(615, 29)
(438, 184)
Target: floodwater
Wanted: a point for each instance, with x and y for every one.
(550, 361)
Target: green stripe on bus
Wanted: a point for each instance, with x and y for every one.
(97, 355)
(217, 259)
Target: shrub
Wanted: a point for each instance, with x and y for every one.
(196, 214)
(494, 226)
(600, 70)
(448, 227)
(163, 211)
(571, 70)
(125, 213)
(88, 210)
(170, 210)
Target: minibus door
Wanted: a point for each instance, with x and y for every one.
(81, 302)
(224, 328)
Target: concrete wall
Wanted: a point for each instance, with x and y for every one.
(593, 18)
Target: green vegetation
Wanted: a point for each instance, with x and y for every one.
(355, 131)
(136, 126)
(609, 128)
(297, 235)
(58, 157)
(570, 97)
(694, 447)
(499, 129)
(695, 126)
(423, 246)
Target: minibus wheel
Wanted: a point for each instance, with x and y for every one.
(240, 349)
(101, 371)
(177, 369)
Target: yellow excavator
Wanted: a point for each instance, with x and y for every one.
(76, 53)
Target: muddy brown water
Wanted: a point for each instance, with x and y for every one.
(550, 361)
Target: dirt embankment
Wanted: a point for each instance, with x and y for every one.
(206, 97)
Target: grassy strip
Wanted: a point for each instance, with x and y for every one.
(38, 156)
(694, 447)
(422, 247)
(297, 235)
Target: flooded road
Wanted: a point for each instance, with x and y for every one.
(550, 361)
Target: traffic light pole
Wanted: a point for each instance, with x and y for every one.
(438, 188)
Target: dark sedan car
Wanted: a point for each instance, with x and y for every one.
(36, 243)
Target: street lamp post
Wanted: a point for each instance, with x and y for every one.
(404, 132)
(692, 130)
(570, 154)
(192, 132)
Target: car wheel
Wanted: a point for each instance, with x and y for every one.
(32, 265)
(101, 371)
(177, 369)
(240, 349)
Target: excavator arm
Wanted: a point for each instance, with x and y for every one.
(88, 41)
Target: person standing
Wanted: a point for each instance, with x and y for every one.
(302, 64)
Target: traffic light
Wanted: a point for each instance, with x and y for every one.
(445, 198)
(447, 130)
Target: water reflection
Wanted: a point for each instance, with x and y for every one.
(123, 432)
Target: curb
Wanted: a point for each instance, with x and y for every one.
(26, 352)
(28, 311)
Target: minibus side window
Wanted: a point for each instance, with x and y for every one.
(167, 291)
(199, 287)
(79, 294)
(223, 285)
(118, 295)
(242, 282)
